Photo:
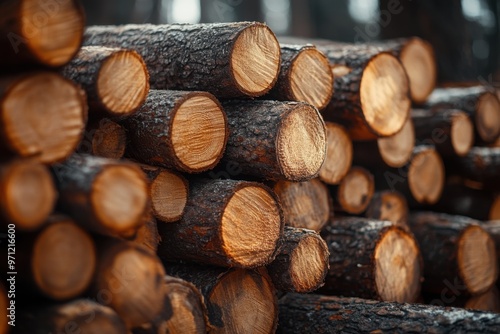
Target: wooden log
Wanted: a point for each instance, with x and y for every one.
(216, 228)
(389, 205)
(457, 253)
(304, 76)
(104, 138)
(186, 131)
(275, 140)
(116, 80)
(39, 32)
(339, 153)
(77, 316)
(481, 164)
(355, 191)
(184, 310)
(488, 301)
(493, 229)
(302, 263)
(27, 194)
(226, 59)
(129, 279)
(103, 195)
(449, 130)
(4, 306)
(51, 133)
(394, 151)
(478, 102)
(168, 192)
(419, 62)
(228, 291)
(305, 204)
(354, 315)
(372, 259)
(147, 235)
(421, 180)
(57, 261)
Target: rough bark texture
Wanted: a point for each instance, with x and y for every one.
(280, 269)
(180, 56)
(481, 164)
(324, 314)
(197, 236)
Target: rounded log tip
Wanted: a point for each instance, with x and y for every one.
(169, 193)
(487, 117)
(397, 150)
(426, 176)
(311, 78)
(384, 94)
(54, 131)
(301, 143)
(256, 60)
(63, 260)
(339, 154)
(251, 226)
(389, 205)
(199, 132)
(356, 190)
(417, 57)
(397, 267)
(462, 134)
(55, 41)
(28, 194)
(477, 260)
(109, 140)
(123, 82)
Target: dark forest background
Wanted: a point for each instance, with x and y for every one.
(465, 33)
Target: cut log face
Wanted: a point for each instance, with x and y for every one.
(305, 204)
(339, 153)
(462, 134)
(488, 301)
(53, 132)
(396, 150)
(27, 194)
(488, 117)
(109, 140)
(63, 260)
(355, 191)
(426, 176)
(389, 205)
(495, 209)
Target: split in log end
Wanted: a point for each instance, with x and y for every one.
(169, 193)
(426, 176)
(109, 140)
(356, 191)
(397, 150)
(488, 117)
(339, 154)
(462, 133)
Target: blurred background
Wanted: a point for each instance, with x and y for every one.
(465, 33)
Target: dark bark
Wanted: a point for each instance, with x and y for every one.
(481, 164)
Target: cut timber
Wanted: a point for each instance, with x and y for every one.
(302, 263)
(354, 315)
(456, 251)
(4, 304)
(372, 259)
(421, 180)
(451, 131)
(355, 191)
(493, 228)
(61, 259)
(27, 194)
(78, 316)
(488, 301)
(104, 195)
(481, 105)
(275, 140)
(226, 59)
(393, 151)
(229, 291)
(305, 76)
(129, 279)
(481, 164)
(186, 131)
(147, 235)
(105, 139)
(227, 223)
(116, 80)
(40, 32)
(339, 154)
(419, 61)
(305, 204)
(168, 192)
(184, 310)
(371, 91)
(42, 115)
(389, 205)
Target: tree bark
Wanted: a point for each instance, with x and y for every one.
(481, 164)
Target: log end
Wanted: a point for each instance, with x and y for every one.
(462, 133)
(256, 60)
(397, 267)
(397, 150)
(426, 176)
(384, 93)
(487, 118)
(301, 143)
(356, 190)
(389, 205)
(311, 78)
(339, 154)
(199, 132)
(169, 193)
(477, 260)
(109, 140)
(63, 260)
(417, 57)
(494, 213)
(488, 301)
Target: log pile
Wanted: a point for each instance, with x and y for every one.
(179, 178)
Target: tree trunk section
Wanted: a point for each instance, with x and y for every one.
(355, 191)
(481, 164)
(391, 206)
(339, 154)
(104, 138)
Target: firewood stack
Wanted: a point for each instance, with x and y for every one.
(179, 178)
